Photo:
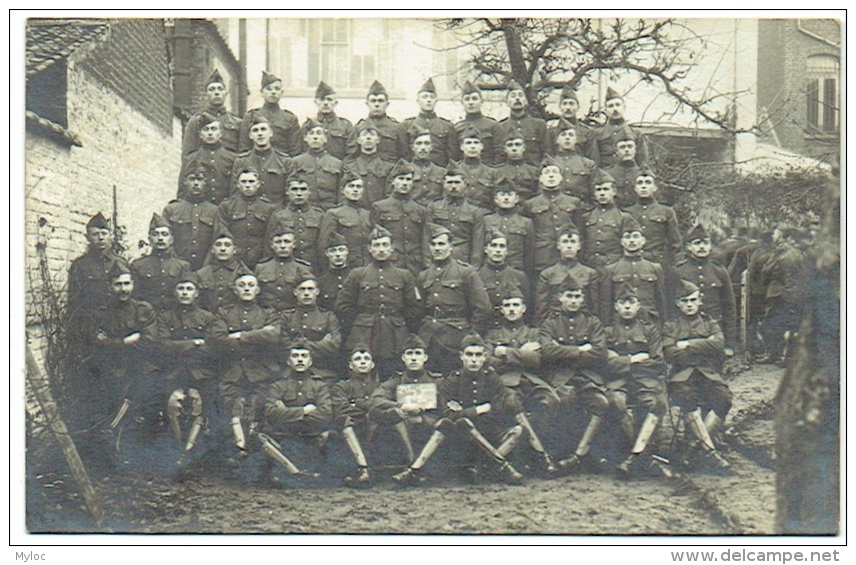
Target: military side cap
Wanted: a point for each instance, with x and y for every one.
(510, 290)
(299, 342)
(493, 233)
(570, 282)
(601, 177)
(305, 276)
(98, 221)
(549, 161)
(612, 94)
(187, 276)
(367, 125)
(118, 269)
(379, 232)
(626, 292)
(413, 341)
(563, 125)
(206, 118)
(473, 339)
(311, 124)
(504, 184)
(646, 171)
(513, 85)
(624, 133)
(259, 119)
(215, 77)
(220, 233)
(279, 226)
(323, 90)
(453, 169)
(629, 225)
(243, 271)
(470, 88)
(196, 167)
(568, 229)
(248, 168)
(685, 289)
(360, 347)
(428, 87)
(158, 221)
(335, 239)
(437, 230)
(697, 232)
(415, 130)
(348, 176)
(377, 88)
(512, 135)
(400, 168)
(269, 78)
(569, 92)
(298, 177)
(470, 131)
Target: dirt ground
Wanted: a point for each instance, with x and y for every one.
(137, 499)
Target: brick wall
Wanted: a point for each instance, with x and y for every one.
(132, 62)
(209, 54)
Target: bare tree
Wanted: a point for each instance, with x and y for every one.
(546, 53)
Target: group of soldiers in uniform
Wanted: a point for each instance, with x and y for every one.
(482, 282)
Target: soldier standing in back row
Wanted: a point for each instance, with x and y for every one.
(218, 159)
(230, 124)
(272, 166)
(427, 175)
(479, 177)
(569, 105)
(471, 99)
(519, 122)
(368, 164)
(577, 170)
(323, 170)
(615, 127)
(394, 143)
(444, 144)
(284, 124)
(341, 141)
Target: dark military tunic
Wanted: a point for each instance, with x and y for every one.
(374, 171)
(646, 278)
(577, 172)
(277, 280)
(427, 182)
(192, 222)
(534, 133)
(643, 381)
(324, 173)
(473, 389)
(156, 275)
(89, 286)
(321, 330)
(340, 134)
(444, 139)
(455, 303)
(607, 137)
(218, 179)
(284, 125)
(407, 221)
(624, 173)
(182, 361)
(480, 180)
(496, 279)
(394, 143)
(247, 220)
(352, 399)
(601, 230)
(381, 305)
(230, 124)
(663, 241)
(518, 366)
(385, 401)
(522, 175)
(550, 211)
(519, 232)
(487, 129)
(305, 221)
(354, 223)
(273, 167)
(330, 283)
(216, 281)
(551, 278)
(717, 294)
(285, 402)
(466, 222)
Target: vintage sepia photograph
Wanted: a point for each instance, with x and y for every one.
(391, 273)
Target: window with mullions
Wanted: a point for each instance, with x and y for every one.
(341, 53)
(822, 108)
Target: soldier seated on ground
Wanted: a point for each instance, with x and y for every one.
(694, 344)
(573, 350)
(408, 402)
(298, 407)
(634, 373)
(351, 405)
(188, 364)
(477, 406)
